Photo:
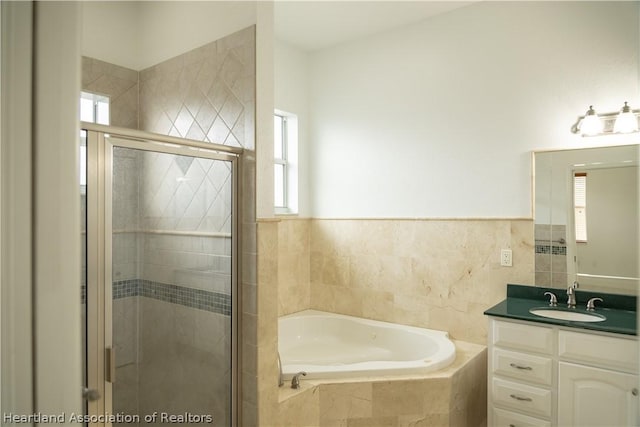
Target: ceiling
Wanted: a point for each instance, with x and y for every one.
(313, 25)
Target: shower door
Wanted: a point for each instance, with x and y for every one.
(162, 325)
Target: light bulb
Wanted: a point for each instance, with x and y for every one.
(626, 121)
(591, 124)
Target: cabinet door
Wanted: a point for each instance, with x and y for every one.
(596, 397)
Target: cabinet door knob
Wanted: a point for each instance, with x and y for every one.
(634, 391)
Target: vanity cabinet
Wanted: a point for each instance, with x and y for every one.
(554, 376)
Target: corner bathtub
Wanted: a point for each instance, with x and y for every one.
(327, 345)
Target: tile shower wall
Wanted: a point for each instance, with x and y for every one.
(439, 274)
(120, 84)
(206, 94)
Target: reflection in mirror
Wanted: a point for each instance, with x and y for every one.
(586, 218)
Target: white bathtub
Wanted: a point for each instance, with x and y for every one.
(327, 345)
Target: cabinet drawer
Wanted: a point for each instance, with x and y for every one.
(502, 418)
(599, 350)
(522, 366)
(523, 337)
(521, 397)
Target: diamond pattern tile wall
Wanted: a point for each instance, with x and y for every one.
(202, 94)
(120, 84)
(205, 94)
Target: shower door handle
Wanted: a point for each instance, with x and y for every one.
(110, 365)
(90, 394)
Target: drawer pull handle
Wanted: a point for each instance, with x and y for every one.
(524, 368)
(522, 399)
(634, 391)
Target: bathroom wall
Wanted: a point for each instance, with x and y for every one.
(437, 119)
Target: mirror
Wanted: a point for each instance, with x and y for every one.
(586, 218)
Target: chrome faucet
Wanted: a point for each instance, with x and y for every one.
(295, 381)
(571, 294)
(553, 301)
(591, 306)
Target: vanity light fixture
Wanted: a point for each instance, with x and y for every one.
(626, 122)
(592, 124)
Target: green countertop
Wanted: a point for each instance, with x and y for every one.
(620, 319)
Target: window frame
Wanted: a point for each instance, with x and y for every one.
(282, 161)
(288, 161)
(96, 100)
(580, 206)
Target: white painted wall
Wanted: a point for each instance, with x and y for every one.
(171, 28)
(438, 119)
(139, 34)
(291, 87)
(110, 31)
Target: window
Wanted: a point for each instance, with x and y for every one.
(580, 205)
(94, 108)
(285, 151)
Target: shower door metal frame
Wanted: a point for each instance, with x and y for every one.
(100, 143)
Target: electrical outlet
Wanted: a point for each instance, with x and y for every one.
(505, 258)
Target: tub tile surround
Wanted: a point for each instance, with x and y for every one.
(454, 396)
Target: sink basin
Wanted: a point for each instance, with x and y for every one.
(567, 315)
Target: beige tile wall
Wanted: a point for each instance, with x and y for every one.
(120, 84)
(294, 285)
(439, 274)
(266, 331)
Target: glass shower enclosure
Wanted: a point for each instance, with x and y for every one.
(160, 279)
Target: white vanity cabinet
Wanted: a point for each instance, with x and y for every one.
(541, 375)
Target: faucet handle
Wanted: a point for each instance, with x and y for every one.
(591, 303)
(553, 300)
